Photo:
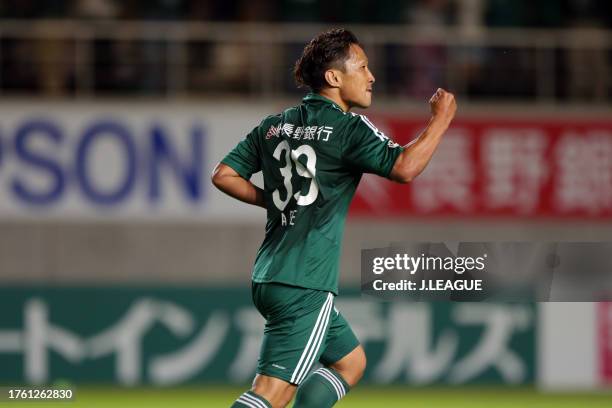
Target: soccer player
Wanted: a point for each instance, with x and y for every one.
(312, 157)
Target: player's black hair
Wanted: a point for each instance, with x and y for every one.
(329, 49)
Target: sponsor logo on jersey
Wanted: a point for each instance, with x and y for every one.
(320, 133)
(274, 131)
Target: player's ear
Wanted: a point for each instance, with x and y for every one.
(333, 78)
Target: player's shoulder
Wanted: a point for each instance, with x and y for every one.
(359, 119)
(314, 106)
(271, 120)
(277, 118)
(334, 112)
(360, 124)
(362, 129)
(269, 124)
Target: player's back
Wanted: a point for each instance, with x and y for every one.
(312, 157)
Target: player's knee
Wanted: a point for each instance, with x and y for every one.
(276, 397)
(277, 392)
(288, 395)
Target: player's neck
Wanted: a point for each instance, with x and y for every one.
(333, 95)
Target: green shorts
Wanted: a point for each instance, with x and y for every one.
(302, 327)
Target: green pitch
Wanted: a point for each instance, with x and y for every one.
(387, 397)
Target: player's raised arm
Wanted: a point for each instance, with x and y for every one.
(233, 184)
(413, 160)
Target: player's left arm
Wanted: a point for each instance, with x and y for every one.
(231, 183)
(417, 154)
(233, 174)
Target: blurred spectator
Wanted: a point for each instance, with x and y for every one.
(470, 15)
(96, 9)
(145, 64)
(588, 65)
(42, 64)
(429, 13)
(496, 13)
(56, 65)
(229, 65)
(118, 67)
(427, 61)
(467, 62)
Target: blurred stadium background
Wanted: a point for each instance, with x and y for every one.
(125, 275)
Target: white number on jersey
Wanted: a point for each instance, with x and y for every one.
(307, 172)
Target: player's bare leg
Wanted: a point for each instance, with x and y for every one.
(275, 390)
(272, 392)
(351, 366)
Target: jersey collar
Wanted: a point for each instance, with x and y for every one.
(315, 97)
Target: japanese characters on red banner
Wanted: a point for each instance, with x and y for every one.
(557, 168)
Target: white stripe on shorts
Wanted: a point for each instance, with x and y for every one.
(312, 354)
(323, 314)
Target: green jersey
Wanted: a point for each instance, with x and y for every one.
(312, 157)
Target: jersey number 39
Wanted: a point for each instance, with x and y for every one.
(307, 172)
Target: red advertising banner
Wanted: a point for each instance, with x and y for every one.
(604, 319)
(507, 168)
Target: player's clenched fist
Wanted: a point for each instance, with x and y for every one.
(443, 104)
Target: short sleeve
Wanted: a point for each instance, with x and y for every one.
(367, 149)
(245, 158)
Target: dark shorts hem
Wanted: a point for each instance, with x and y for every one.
(332, 358)
(276, 374)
